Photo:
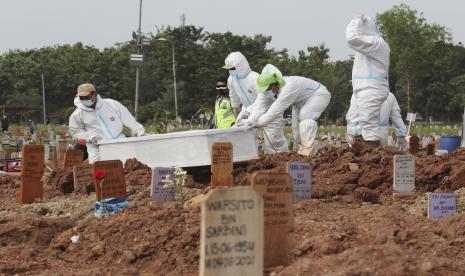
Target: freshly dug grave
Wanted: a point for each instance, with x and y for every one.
(351, 227)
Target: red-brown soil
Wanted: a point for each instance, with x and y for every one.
(352, 226)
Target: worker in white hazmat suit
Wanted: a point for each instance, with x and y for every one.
(242, 85)
(96, 118)
(390, 112)
(307, 97)
(369, 76)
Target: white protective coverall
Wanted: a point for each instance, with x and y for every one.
(105, 121)
(390, 111)
(308, 99)
(242, 85)
(369, 74)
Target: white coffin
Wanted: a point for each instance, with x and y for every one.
(184, 149)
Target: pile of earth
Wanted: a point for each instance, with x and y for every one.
(337, 172)
(351, 227)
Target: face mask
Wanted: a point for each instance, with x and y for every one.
(232, 73)
(87, 103)
(269, 94)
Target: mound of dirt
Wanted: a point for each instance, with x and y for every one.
(151, 238)
(352, 226)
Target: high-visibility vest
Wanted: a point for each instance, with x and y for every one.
(224, 115)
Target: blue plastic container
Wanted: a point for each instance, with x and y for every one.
(450, 143)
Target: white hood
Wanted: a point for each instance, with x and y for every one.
(369, 27)
(240, 62)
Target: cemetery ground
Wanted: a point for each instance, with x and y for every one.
(351, 226)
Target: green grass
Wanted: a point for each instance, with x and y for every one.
(420, 129)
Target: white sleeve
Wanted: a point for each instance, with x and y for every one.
(128, 120)
(260, 106)
(77, 128)
(396, 119)
(287, 98)
(367, 45)
(233, 96)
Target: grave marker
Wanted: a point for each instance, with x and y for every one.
(54, 157)
(73, 158)
(61, 150)
(221, 164)
(231, 232)
(301, 174)
(114, 185)
(414, 144)
(441, 205)
(404, 174)
(82, 175)
(276, 190)
(32, 169)
(158, 193)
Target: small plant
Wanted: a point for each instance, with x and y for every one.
(176, 185)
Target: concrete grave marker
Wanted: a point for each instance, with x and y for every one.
(61, 149)
(404, 174)
(301, 174)
(158, 193)
(441, 205)
(54, 157)
(221, 164)
(276, 190)
(32, 169)
(231, 232)
(114, 185)
(46, 152)
(82, 175)
(73, 158)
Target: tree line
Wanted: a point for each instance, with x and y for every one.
(427, 72)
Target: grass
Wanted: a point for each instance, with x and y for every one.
(419, 129)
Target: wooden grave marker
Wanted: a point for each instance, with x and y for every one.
(404, 174)
(114, 185)
(73, 158)
(222, 164)
(441, 205)
(157, 192)
(301, 174)
(276, 190)
(32, 170)
(231, 232)
(82, 175)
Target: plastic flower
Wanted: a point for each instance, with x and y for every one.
(99, 174)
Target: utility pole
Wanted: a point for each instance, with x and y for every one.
(174, 82)
(136, 104)
(43, 97)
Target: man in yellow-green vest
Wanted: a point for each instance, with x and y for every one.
(224, 116)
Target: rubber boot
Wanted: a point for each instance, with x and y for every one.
(358, 144)
(372, 144)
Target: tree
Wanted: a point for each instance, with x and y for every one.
(411, 40)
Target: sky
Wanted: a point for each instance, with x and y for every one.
(293, 24)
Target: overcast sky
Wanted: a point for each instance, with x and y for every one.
(293, 24)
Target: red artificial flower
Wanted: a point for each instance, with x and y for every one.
(100, 174)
